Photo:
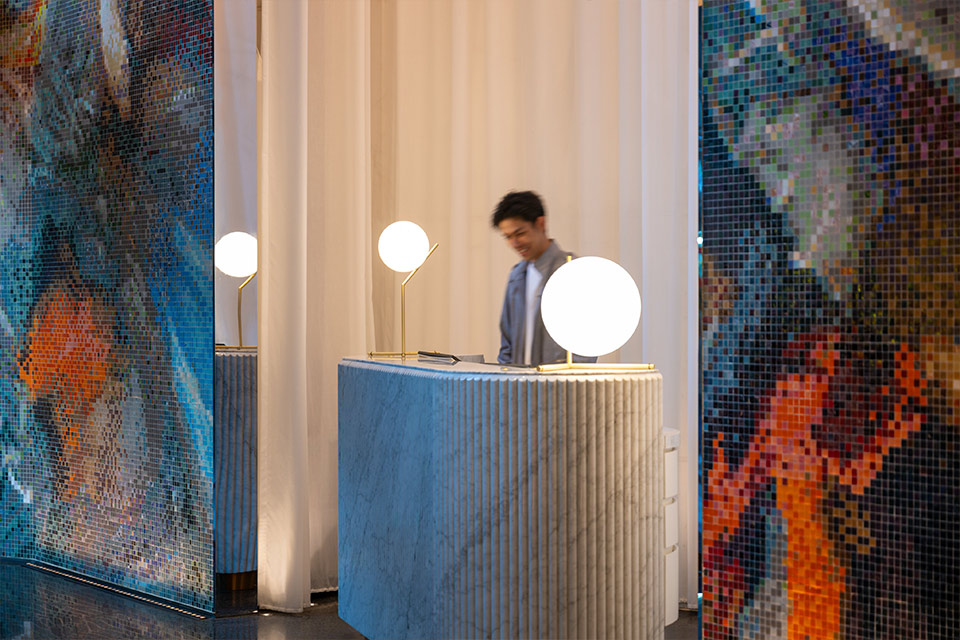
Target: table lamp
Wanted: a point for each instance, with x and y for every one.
(403, 247)
(590, 306)
(235, 254)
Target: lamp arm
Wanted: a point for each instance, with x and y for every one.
(239, 301)
(247, 281)
(429, 253)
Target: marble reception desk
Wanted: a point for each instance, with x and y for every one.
(482, 501)
(235, 460)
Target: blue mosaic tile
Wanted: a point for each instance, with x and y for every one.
(106, 303)
(830, 319)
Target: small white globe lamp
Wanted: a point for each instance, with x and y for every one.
(403, 246)
(590, 306)
(235, 254)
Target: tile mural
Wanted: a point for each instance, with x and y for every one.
(106, 300)
(830, 319)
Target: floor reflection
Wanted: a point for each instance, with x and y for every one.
(37, 604)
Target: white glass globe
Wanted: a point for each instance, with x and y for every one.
(236, 254)
(590, 306)
(403, 246)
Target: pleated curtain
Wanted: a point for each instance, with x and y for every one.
(283, 530)
(431, 110)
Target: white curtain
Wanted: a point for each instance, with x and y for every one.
(667, 261)
(283, 532)
(235, 154)
(431, 110)
(339, 303)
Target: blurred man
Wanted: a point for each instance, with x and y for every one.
(523, 339)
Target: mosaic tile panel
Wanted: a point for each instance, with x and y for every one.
(830, 319)
(106, 301)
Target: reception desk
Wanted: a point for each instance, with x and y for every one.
(483, 501)
(235, 466)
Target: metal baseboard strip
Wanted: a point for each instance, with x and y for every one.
(179, 608)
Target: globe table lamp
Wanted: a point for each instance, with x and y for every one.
(403, 247)
(235, 254)
(590, 306)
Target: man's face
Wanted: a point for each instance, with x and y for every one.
(529, 239)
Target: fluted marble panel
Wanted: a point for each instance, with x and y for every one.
(478, 502)
(235, 459)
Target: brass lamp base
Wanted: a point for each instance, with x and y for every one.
(586, 367)
(390, 354)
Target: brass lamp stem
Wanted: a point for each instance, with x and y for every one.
(403, 315)
(569, 353)
(239, 301)
(403, 304)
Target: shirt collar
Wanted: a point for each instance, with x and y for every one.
(548, 257)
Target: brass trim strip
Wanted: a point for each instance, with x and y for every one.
(586, 367)
(124, 592)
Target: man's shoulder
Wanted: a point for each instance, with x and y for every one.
(557, 257)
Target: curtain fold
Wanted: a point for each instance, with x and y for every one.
(283, 533)
(339, 302)
(668, 269)
(430, 111)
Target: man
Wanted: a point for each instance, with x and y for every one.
(523, 339)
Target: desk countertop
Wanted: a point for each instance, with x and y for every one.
(482, 369)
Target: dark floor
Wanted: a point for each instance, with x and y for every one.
(686, 628)
(37, 604)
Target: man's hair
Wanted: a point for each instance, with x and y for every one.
(525, 205)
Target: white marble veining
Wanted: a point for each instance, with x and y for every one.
(476, 502)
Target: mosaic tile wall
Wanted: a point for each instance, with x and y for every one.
(106, 299)
(831, 319)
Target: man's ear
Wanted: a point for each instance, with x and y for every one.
(541, 224)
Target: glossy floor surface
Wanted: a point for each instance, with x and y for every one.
(686, 627)
(38, 604)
